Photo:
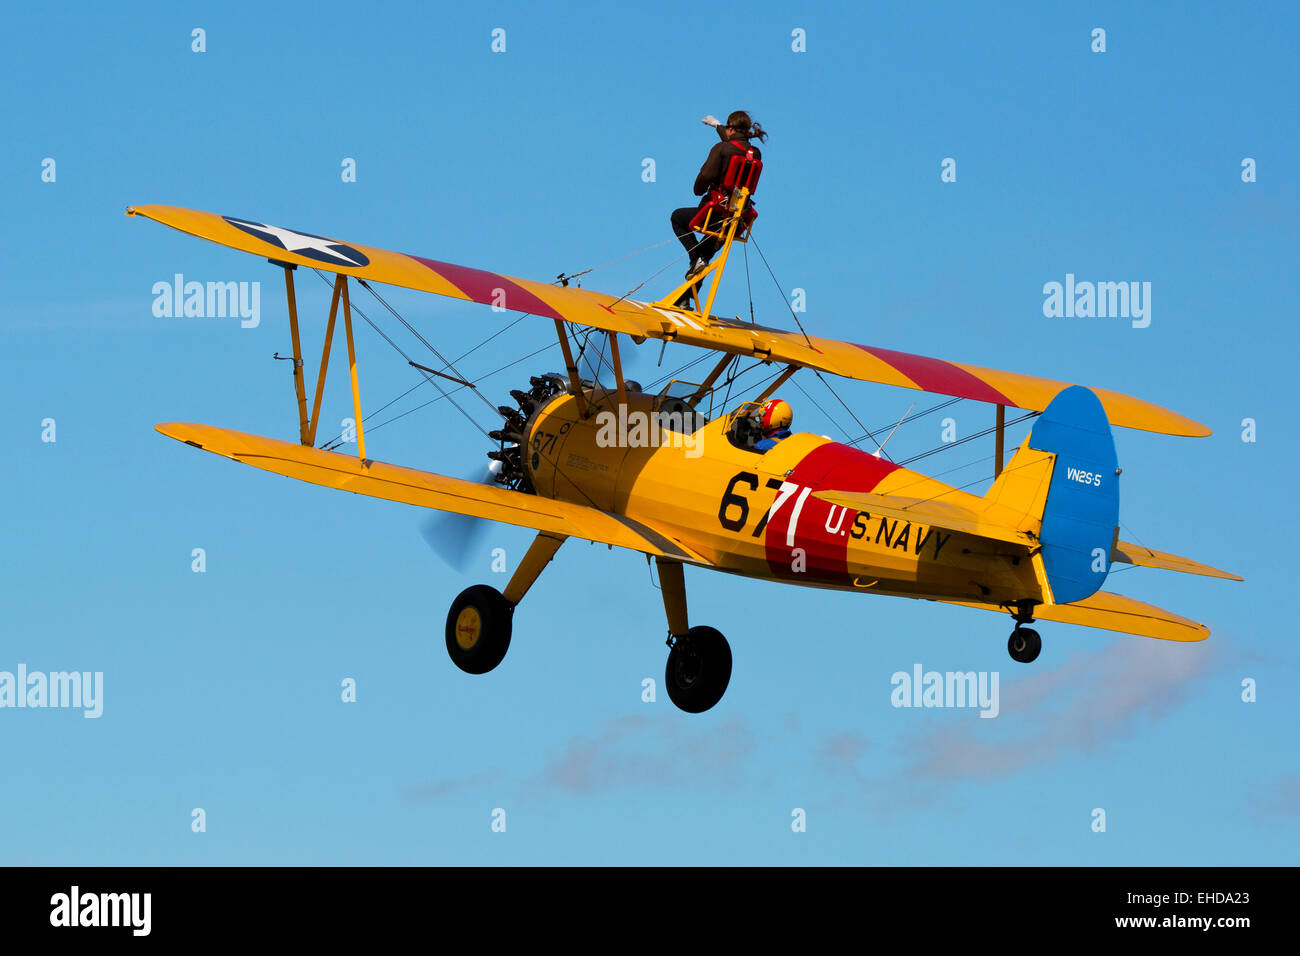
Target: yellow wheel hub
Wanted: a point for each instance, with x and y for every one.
(469, 626)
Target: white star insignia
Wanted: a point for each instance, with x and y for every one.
(329, 249)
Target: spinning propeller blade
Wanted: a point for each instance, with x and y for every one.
(455, 538)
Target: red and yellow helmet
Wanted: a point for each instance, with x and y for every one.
(776, 416)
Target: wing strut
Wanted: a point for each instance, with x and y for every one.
(352, 368)
(617, 362)
(575, 383)
(307, 424)
(707, 384)
(298, 385)
(780, 380)
(324, 362)
(999, 442)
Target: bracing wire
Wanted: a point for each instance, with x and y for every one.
(398, 349)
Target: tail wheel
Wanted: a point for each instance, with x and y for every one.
(478, 629)
(699, 669)
(1024, 645)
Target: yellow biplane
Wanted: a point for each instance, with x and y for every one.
(668, 475)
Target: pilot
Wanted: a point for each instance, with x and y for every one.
(775, 419)
(735, 135)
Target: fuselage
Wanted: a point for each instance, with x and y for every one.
(756, 514)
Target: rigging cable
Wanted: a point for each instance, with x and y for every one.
(971, 437)
(816, 372)
(399, 351)
(563, 278)
(481, 378)
(427, 344)
(931, 409)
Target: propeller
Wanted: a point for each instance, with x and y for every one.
(458, 539)
(455, 538)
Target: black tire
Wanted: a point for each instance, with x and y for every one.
(478, 629)
(1024, 645)
(699, 669)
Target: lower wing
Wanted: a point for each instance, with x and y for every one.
(425, 489)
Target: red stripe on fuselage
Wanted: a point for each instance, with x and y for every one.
(482, 286)
(829, 467)
(936, 375)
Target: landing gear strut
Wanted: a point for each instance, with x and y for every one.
(1024, 643)
(699, 664)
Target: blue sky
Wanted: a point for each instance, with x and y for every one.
(222, 689)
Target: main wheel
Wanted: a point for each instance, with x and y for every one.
(1024, 645)
(478, 629)
(699, 669)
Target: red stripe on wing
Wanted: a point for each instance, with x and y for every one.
(481, 286)
(936, 375)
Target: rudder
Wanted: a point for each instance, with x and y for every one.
(1081, 513)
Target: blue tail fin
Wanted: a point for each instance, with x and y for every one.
(1082, 511)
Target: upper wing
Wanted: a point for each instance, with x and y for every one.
(643, 320)
(398, 268)
(1114, 612)
(427, 490)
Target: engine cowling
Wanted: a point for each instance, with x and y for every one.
(579, 459)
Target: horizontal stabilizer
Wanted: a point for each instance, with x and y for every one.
(1114, 612)
(1147, 558)
(938, 514)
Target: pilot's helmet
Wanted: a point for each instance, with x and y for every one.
(776, 416)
